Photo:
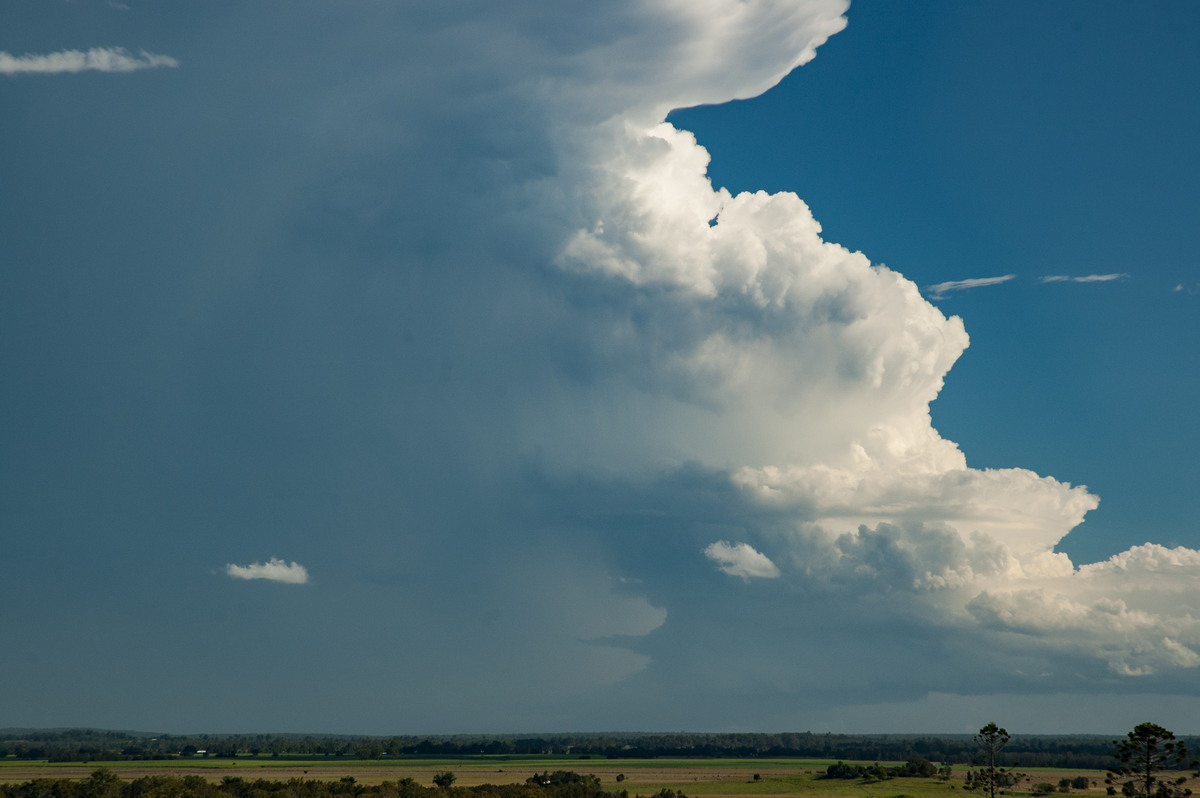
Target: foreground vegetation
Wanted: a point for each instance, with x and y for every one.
(473, 778)
(105, 784)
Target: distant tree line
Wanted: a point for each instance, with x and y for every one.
(90, 745)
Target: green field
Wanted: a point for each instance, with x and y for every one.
(708, 778)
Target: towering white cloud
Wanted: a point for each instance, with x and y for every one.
(816, 370)
(697, 385)
(468, 299)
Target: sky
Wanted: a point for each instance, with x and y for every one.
(726, 365)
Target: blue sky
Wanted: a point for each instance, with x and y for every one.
(386, 368)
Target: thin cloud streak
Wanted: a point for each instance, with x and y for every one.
(1088, 278)
(274, 570)
(939, 290)
(97, 59)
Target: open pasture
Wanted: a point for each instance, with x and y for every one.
(705, 778)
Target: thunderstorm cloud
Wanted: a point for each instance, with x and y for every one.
(474, 303)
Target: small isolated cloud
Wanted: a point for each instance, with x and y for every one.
(275, 569)
(97, 59)
(741, 560)
(1087, 278)
(939, 290)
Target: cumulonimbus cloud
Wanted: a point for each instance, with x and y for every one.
(816, 369)
(590, 304)
(97, 59)
(273, 570)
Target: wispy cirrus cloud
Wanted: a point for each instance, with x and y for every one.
(1087, 278)
(939, 290)
(274, 570)
(97, 59)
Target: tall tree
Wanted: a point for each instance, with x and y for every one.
(1144, 753)
(991, 740)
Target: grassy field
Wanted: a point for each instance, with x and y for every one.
(705, 778)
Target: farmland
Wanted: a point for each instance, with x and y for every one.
(706, 777)
(89, 763)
